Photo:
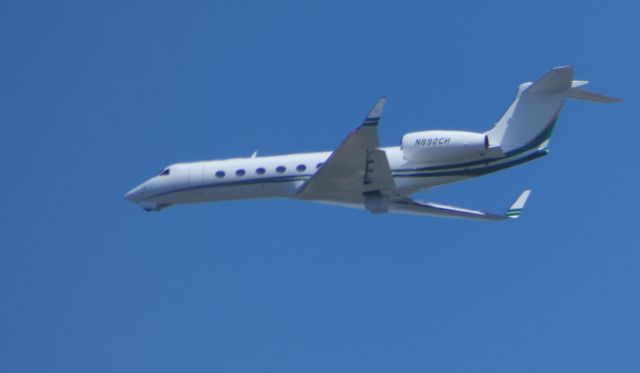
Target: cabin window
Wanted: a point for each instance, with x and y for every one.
(281, 169)
(240, 172)
(319, 165)
(301, 167)
(220, 174)
(165, 172)
(260, 171)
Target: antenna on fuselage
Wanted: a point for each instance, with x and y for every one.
(255, 153)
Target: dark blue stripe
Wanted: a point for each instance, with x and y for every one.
(278, 179)
(534, 143)
(416, 172)
(477, 171)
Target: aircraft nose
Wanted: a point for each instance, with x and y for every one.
(136, 194)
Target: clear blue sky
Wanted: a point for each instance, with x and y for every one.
(97, 96)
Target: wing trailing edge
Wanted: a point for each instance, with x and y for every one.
(411, 206)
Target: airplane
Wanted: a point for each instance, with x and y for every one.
(361, 174)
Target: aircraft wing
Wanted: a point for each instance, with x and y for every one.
(410, 206)
(356, 167)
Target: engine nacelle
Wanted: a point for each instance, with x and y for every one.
(444, 146)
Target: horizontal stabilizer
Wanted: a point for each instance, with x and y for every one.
(582, 94)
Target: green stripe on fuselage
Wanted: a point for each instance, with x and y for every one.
(472, 171)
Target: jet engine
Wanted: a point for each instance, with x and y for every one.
(444, 146)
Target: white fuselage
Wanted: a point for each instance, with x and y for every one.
(359, 173)
(283, 175)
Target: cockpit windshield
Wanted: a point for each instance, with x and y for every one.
(164, 172)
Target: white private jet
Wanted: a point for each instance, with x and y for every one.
(361, 174)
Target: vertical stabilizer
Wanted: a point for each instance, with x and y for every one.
(531, 116)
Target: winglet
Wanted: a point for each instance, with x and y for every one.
(516, 209)
(374, 115)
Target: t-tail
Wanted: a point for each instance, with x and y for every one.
(528, 122)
